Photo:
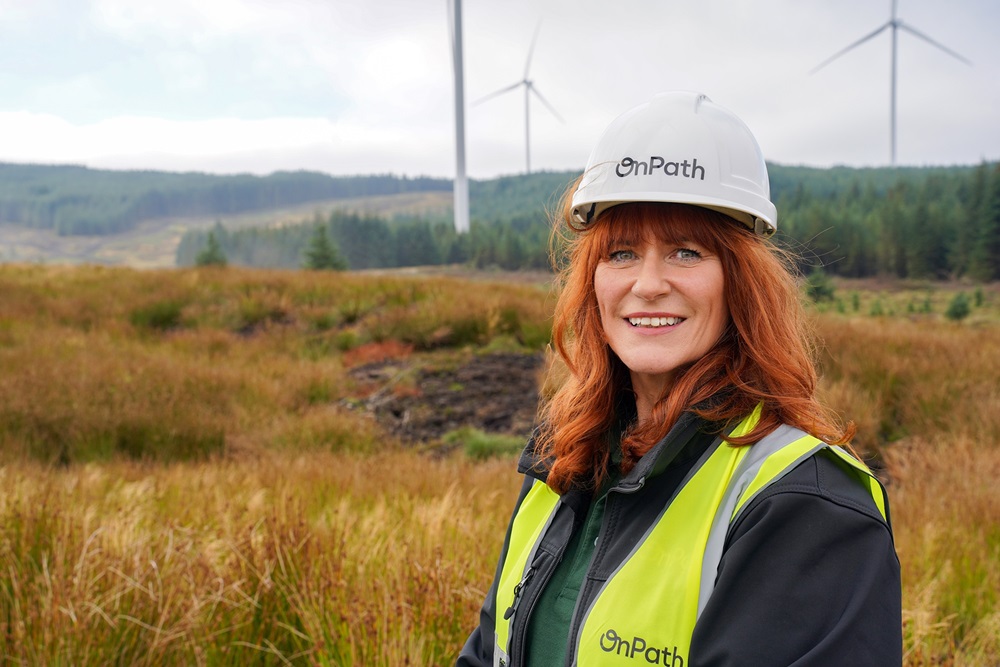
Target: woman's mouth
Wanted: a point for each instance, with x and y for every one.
(653, 322)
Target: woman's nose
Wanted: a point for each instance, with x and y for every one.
(651, 279)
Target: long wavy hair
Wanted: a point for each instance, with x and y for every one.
(764, 356)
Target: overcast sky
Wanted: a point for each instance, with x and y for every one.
(366, 86)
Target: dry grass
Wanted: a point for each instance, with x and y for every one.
(899, 378)
(925, 395)
(376, 560)
(946, 516)
(318, 559)
(171, 365)
(263, 523)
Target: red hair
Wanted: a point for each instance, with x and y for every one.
(763, 357)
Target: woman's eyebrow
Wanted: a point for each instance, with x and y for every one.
(619, 241)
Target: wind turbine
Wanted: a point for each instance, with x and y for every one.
(896, 24)
(461, 188)
(529, 89)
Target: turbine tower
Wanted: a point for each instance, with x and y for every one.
(461, 187)
(529, 89)
(895, 24)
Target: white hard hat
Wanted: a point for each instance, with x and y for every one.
(679, 147)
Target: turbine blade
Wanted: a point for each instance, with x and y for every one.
(546, 103)
(531, 49)
(498, 92)
(848, 48)
(917, 33)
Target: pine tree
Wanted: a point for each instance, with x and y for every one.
(986, 254)
(322, 254)
(924, 244)
(895, 233)
(416, 246)
(369, 241)
(211, 254)
(972, 197)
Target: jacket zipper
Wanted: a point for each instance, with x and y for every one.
(524, 602)
(576, 621)
(518, 590)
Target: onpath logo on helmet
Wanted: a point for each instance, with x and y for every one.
(687, 169)
(680, 123)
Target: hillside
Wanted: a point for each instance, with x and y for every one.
(153, 243)
(929, 223)
(72, 214)
(72, 200)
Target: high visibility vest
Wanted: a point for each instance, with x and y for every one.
(646, 612)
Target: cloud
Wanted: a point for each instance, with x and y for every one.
(187, 21)
(353, 85)
(224, 144)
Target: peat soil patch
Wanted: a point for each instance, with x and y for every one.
(496, 393)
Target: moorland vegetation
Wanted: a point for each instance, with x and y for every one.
(190, 474)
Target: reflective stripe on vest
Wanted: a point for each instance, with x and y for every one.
(533, 517)
(646, 612)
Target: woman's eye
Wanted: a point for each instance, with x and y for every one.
(621, 256)
(687, 255)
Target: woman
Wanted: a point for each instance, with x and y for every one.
(685, 503)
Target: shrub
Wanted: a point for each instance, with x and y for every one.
(161, 316)
(819, 286)
(324, 321)
(959, 308)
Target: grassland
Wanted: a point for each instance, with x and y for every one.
(184, 479)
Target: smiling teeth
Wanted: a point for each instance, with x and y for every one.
(655, 321)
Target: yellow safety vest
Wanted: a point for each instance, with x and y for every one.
(646, 612)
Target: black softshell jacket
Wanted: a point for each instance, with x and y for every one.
(808, 577)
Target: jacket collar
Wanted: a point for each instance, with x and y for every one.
(673, 446)
(688, 438)
(531, 463)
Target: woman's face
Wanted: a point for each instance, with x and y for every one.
(662, 306)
